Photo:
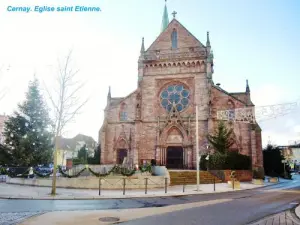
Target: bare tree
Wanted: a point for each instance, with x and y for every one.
(66, 104)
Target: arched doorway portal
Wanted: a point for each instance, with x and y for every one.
(174, 157)
(121, 154)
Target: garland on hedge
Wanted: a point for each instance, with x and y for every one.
(147, 168)
(43, 175)
(116, 169)
(23, 175)
(70, 176)
(99, 174)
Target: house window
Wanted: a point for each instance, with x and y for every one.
(123, 112)
(174, 39)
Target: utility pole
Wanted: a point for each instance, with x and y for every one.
(197, 149)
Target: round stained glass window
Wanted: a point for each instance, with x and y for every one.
(184, 101)
(164, 94)
(175, 94)
(185, 93)
(171, 88)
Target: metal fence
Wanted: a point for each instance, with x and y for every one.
(147, 185)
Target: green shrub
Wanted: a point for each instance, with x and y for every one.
(237, 161)
(3, 171)
(228, 161)
(217, 161)
(258, 173)
(77, 161)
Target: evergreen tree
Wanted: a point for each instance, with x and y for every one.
(96, 159)
(83, 154)
(273, 162)
(27, 132)
(221, 140)
(5, 157)
(97, 155)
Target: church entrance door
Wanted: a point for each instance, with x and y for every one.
(174, 157)
(121, 154)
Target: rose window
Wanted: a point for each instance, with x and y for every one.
(175, 94)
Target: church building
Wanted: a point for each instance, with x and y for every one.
(158, 119)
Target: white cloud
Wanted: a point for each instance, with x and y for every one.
(270, 94)
(297, 129)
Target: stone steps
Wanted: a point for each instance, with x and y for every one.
(190, 177)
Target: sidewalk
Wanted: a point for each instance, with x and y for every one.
(284, 218)
(10, 191)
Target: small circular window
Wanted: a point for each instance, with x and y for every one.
(175, 94)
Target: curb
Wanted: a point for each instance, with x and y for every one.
(132, 196)
(297, 211)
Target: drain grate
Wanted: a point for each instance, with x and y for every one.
(109, 219)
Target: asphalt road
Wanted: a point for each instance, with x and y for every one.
(243, 209)
(245, 206)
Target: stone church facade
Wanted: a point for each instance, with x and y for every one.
(157, 120)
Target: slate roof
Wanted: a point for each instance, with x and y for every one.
(70, 143)
(239, 96)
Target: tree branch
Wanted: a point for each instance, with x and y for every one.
(74, 113)
(51, 99)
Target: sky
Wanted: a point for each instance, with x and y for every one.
(251, 39)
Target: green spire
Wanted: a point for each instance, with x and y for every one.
(143, 46)
(165, 20)
(207, 40)
(247, 87)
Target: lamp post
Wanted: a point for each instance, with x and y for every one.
(197, 149)
(86, 155)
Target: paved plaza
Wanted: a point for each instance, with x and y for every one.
(284, 218)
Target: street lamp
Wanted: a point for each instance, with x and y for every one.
(197, 149)
(207, 158)
(86, 155)
(198, 154)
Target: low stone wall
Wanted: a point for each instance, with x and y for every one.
(113, 182)
(224, 175)
(3, 178)
(242, 175)
(96, 168)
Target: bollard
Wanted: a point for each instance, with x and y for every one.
(146, 185)
(233, 184)
(183, 185)
(214, 184)
(99, 186)
(166, 184)
(124, 182)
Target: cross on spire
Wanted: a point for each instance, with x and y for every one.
(174, 14)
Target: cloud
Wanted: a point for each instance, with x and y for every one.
(270, 94)
(297, 129)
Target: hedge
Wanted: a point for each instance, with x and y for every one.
(227, 161)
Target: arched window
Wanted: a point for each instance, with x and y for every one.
(123, 112)
(231, 110)
(174, 39)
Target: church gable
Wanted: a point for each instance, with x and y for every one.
(222, 95)
(123, 109)
(222, 100)
(175, 36)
